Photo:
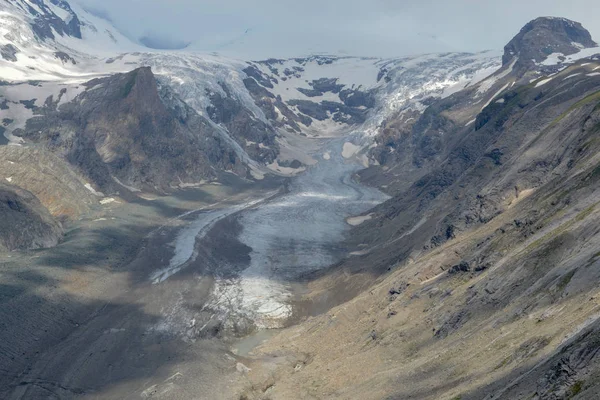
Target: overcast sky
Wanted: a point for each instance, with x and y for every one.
(287, 28)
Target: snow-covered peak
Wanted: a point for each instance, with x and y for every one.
(53, 39)
(98, 36)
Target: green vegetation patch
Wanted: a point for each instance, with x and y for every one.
(576, 388)
(586, 100)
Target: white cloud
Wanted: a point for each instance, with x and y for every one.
(286, 28)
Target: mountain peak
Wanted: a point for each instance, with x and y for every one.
(544, 36)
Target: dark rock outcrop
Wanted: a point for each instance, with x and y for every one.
(24, 222)
(463, 266)
(47, 22)
(324, 110)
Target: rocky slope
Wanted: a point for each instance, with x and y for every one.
(65, 194)
(25, 223)
(478, 279)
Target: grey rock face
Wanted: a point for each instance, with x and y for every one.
(544, 36)
(248, 131)
(267, 102)
(24, 222)
(261, 78)
(46, 20)
(9, 52)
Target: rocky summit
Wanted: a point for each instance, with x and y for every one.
(183, 225)
(544, 37)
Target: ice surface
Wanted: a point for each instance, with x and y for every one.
(291, 235)
(186, 239)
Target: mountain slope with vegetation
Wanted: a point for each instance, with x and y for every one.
(478, 278)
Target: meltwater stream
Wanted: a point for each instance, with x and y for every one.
(293, 234)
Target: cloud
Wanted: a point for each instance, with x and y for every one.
(287, 28)
(162, 42)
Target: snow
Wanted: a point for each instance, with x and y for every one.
(131, 188)
(355, 221)
(491, 81)
(19, 114)
(350, 149)
(415, 78)
(543, 82)
(93, 191)
(9, 179)
(572, 76)
(108, 200)
(554, 58)
(99, 37)
(192, 75)
(327, 156)
(37, 61)
(495, 95)
(471, 122)
(593, 74)
(407, 81)
(62, 14)
(353, 72)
